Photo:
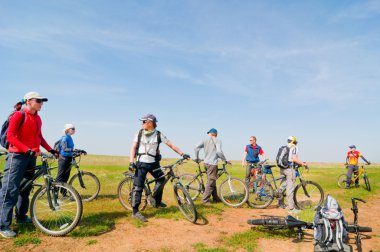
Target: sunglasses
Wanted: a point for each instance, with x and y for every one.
(38, 100)
(251, 140)
(73, 128)
(145, 121)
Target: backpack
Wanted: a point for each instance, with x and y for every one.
(330, 233)
(158, 156)
(4, 129)
(283, 157)
(57, 145)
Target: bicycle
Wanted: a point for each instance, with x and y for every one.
(232, 191)
(184, 201)
(52, 213)
(86, 183)
(262, 192)
(1, 173)
(289, 222)
(342, 179)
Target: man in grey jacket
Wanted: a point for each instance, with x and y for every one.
(213, 151)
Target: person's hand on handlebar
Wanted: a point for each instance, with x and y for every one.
(185, 156)
(227, 162)
(54, 152)
(132, 167)
(197, 160)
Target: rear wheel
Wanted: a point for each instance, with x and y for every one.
(342, 181)
(124, 192)
(366, 181)
(65, 214)
(185, 203)
(233, 192)
(90, 188)
(192, 184)
(308, 195)
(261, 194)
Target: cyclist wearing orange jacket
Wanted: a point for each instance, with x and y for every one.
(352, 161)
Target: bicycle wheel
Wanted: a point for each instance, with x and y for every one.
(342, 181)
(91, 185)
(191, 184)
(124, 192)
(308, 196)
(366, 181)
(233, 192)
(64, 217)
(261, 194)
(185, 203)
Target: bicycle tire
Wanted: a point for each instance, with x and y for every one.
(366, 181)
(342, 181)
(185, 203)
(91, 183)
(191, 184)
(124, 193)
(233, 192)
(312, 201)
(269, 221)
(66, 215)
(260, 198)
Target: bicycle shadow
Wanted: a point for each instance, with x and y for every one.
(170, 211)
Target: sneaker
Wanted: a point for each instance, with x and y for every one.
(6, 232)
(283, 206)
(24, 220)
(208, 203)
(161, 205)
(294, 211)
(139, 217)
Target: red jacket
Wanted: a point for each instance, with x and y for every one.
(28, 136)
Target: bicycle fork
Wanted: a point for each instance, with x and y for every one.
(52, 197)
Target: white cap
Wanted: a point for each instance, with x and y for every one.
(69, 126)
(34, 95)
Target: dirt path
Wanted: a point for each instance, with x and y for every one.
(169, 235)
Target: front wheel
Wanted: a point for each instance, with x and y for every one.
(185, 203)
(342, 181)
(124, 193)
(308, 195)
(261, 194)
(90, 187)
(192, 184)
(64, 213)
(366, 181)
(233, 192)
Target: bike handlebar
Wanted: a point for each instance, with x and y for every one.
(280, 222)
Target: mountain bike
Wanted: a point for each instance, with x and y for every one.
(232, 191)
(86, 183)
(51, 212)
(342, 179)
(262, 191)
(289, 222)
(184, 201)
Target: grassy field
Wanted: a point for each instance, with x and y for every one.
(102, 214)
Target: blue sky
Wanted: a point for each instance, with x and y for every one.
(264, 68)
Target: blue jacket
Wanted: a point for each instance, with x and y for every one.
(253, 153)
(67, 146)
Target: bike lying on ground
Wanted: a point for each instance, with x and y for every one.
(361, 171)
(183, 199)
(262, 191)
(289, 222)
(86, 183)
(51, 212)
(232, 191)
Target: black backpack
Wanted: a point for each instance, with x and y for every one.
(4, 129)
(283, 157)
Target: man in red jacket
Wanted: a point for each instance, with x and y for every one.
(25, 138)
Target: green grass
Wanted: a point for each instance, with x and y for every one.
(102, 215)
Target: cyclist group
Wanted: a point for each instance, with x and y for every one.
(25, 138)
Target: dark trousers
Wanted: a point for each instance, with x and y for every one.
(64, 169)
(18, 167)
(210, 190)
(351, 169)
(139, 181)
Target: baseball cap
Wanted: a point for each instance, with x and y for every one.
(352, 146)
(34, 95)
(69, 126)
(212, 130)
(292, 138)
(149, 117)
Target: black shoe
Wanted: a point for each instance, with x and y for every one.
(24, 220)
(139, 217)
(216, 200)
(161, 205)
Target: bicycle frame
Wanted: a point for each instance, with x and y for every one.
(356, 175)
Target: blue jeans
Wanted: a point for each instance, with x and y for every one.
(18, 166)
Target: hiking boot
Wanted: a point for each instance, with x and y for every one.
(294, 211)
(23, 220)
(6, 232)
(162, 204)
(139, 217)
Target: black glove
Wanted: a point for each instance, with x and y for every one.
(368, 163)
(228, 162)
(83, 152)
(54, 152)
(30, 152)
(132, 166)
(185, 156)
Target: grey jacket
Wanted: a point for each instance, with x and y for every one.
(213, 150)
